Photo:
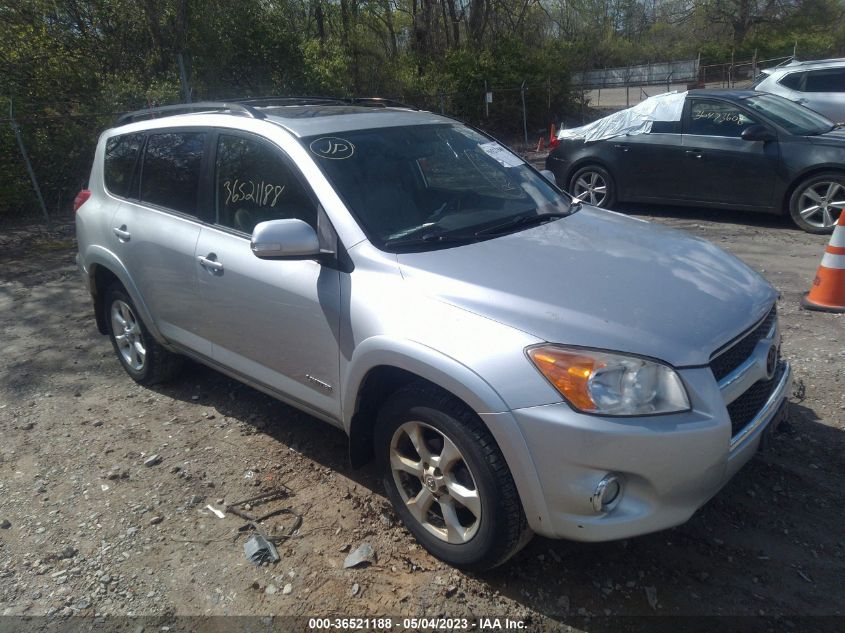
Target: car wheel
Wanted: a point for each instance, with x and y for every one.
(448, 480)
(818, 201)
(142, 357)
(593, 185)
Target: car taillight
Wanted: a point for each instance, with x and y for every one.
(80, 199)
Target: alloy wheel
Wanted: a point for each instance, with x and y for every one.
(435, 482)
(127, 334)
(821, 203)
(590, 187)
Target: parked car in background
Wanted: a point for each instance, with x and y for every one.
(515, 361)
(818, 85)
(732, 149)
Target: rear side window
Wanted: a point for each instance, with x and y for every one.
(826, 81)
(119, 165)
(255, 183)
(666, 127)
(792, 81)
(171, 171)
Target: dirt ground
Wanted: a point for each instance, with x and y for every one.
(89, 529)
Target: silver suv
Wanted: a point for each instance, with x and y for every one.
(818, 85)
(516, 362)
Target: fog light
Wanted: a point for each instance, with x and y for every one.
(607, 493)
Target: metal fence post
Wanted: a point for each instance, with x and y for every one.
(486, 103)
(17, 130)
(183, 76)
(524, 115)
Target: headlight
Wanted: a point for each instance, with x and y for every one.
(611, 384)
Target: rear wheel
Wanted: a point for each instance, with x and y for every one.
(447, 479)
(593, 185)
(142, 357)
(818, 201)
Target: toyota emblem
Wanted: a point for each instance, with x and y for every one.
(771, 361)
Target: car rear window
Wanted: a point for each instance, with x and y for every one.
(119, 164)
(171, 171)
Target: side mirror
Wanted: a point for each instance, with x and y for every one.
(758, 132)
(285, 239)
(548, 175)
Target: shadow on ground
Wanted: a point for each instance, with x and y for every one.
(756, 542)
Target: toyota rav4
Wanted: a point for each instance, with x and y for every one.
(515, 361)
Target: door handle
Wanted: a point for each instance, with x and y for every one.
(211, 264)
(694, 153)
(122, 233)
(622, 148)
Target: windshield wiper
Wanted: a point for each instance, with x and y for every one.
(432, 238)
(522, 221)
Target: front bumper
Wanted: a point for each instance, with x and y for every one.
(669, 465)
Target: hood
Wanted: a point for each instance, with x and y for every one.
(604, 280)
(834, 137)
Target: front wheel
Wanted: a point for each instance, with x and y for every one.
(447, 479)
(817, 202)
(593, 185)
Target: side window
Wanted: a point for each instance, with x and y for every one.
(119, 164)
(717, 118)
(826, 80)
(254, 183)
(170, 174)
(665, 127)
(792, 81)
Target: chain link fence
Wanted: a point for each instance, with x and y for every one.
(612, 89)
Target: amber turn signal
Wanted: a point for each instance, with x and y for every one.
(569, 372)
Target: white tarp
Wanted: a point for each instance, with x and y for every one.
(636, 120)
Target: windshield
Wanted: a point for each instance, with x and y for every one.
(794, 118)
(432, 186)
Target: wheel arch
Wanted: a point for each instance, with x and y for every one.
(103, 270)
(587, 161)
(815, 170)
(381, 365)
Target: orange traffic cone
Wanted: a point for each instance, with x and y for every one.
(552, 131)
(539, 144)
(828, 291)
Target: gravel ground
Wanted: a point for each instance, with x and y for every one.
(92, 525)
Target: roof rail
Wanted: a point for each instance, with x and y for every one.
(306, 100)
(184, 108)
(382, 102)
(811, 62)
(271, 101)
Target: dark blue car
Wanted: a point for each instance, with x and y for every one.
(736, 149)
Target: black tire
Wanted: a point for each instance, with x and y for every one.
(502, 529)
(583, 174)
(798, 201)
(159, 365)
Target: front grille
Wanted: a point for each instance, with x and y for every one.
(743, 409)
(725, 362)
